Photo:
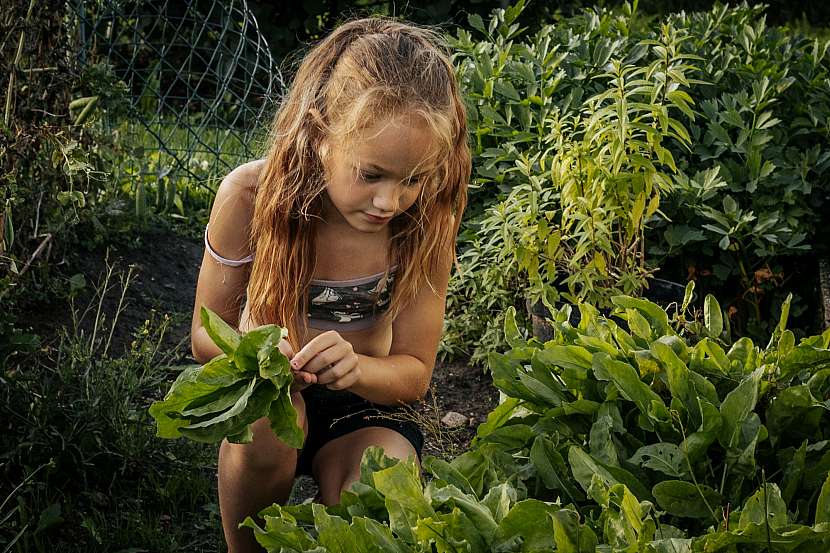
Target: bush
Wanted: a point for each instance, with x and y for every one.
(77, 435)
(753, 198)
(724, 133)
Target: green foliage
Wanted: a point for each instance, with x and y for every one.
(753, 188)
(608, 144)
(390, 509)
(633, 432)
(79, 449)
(563, 181)
(222, 398)
(674, 410)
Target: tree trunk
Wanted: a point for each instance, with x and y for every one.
(542, 330)
(824, 283)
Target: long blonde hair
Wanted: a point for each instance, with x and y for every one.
(364, 71)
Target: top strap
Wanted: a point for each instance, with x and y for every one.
(222, 260)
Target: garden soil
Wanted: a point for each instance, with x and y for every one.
(165, 267)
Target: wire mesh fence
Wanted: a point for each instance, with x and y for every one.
(200, 81)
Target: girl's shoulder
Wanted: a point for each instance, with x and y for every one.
(237, 190)
(233, 211)
(244, 179)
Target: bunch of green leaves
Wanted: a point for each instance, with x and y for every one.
(756, 187)
(390, 509)
(516, 89)
(220, 399)
(669, 407)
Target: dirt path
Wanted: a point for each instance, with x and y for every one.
(165, 268)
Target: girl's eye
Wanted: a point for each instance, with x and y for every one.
(369, 176)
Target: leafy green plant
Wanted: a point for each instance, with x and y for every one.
(611, 168)
(669, 407)
(571, 162)
(761, 144)
(390, 509)
(220, 399)
(72, 404)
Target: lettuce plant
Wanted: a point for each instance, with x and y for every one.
(671, 408)
(636, 432)
(391, 509)
(220, 399)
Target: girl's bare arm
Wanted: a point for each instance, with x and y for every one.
(220, 287)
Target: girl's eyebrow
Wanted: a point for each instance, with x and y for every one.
(382, 170)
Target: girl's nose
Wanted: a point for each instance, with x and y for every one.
(386, 199)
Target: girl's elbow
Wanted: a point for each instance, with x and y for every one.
(202, 352)
(422, 387)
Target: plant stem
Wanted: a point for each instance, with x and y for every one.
(15, 65)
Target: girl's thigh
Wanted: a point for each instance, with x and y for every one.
(337, 464)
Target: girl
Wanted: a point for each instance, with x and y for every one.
(345, 234)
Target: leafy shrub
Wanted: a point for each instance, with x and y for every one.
(676, 411)
(77, 436)
(754, 188)
(741, 162)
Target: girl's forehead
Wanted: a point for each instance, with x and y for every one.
(400, 145)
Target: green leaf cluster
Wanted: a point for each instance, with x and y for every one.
(220, 399)
(390, 508)
(676, 412)
(608, 144)
(636, 432)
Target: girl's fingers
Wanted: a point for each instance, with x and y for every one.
(285, 347)
(346, 381)
(337, 371)
(327, 357)
(302, 380)
(314, 347)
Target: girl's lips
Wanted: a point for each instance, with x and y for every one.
(376, 219)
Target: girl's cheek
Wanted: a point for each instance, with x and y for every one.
(409, 198)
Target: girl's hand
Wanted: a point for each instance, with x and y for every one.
(329, 358)
(302, 379)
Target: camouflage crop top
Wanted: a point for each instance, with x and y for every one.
(349, 304)
(353, 304)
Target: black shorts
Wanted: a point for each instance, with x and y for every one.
(332, 414)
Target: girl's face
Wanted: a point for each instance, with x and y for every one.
(379, 179)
